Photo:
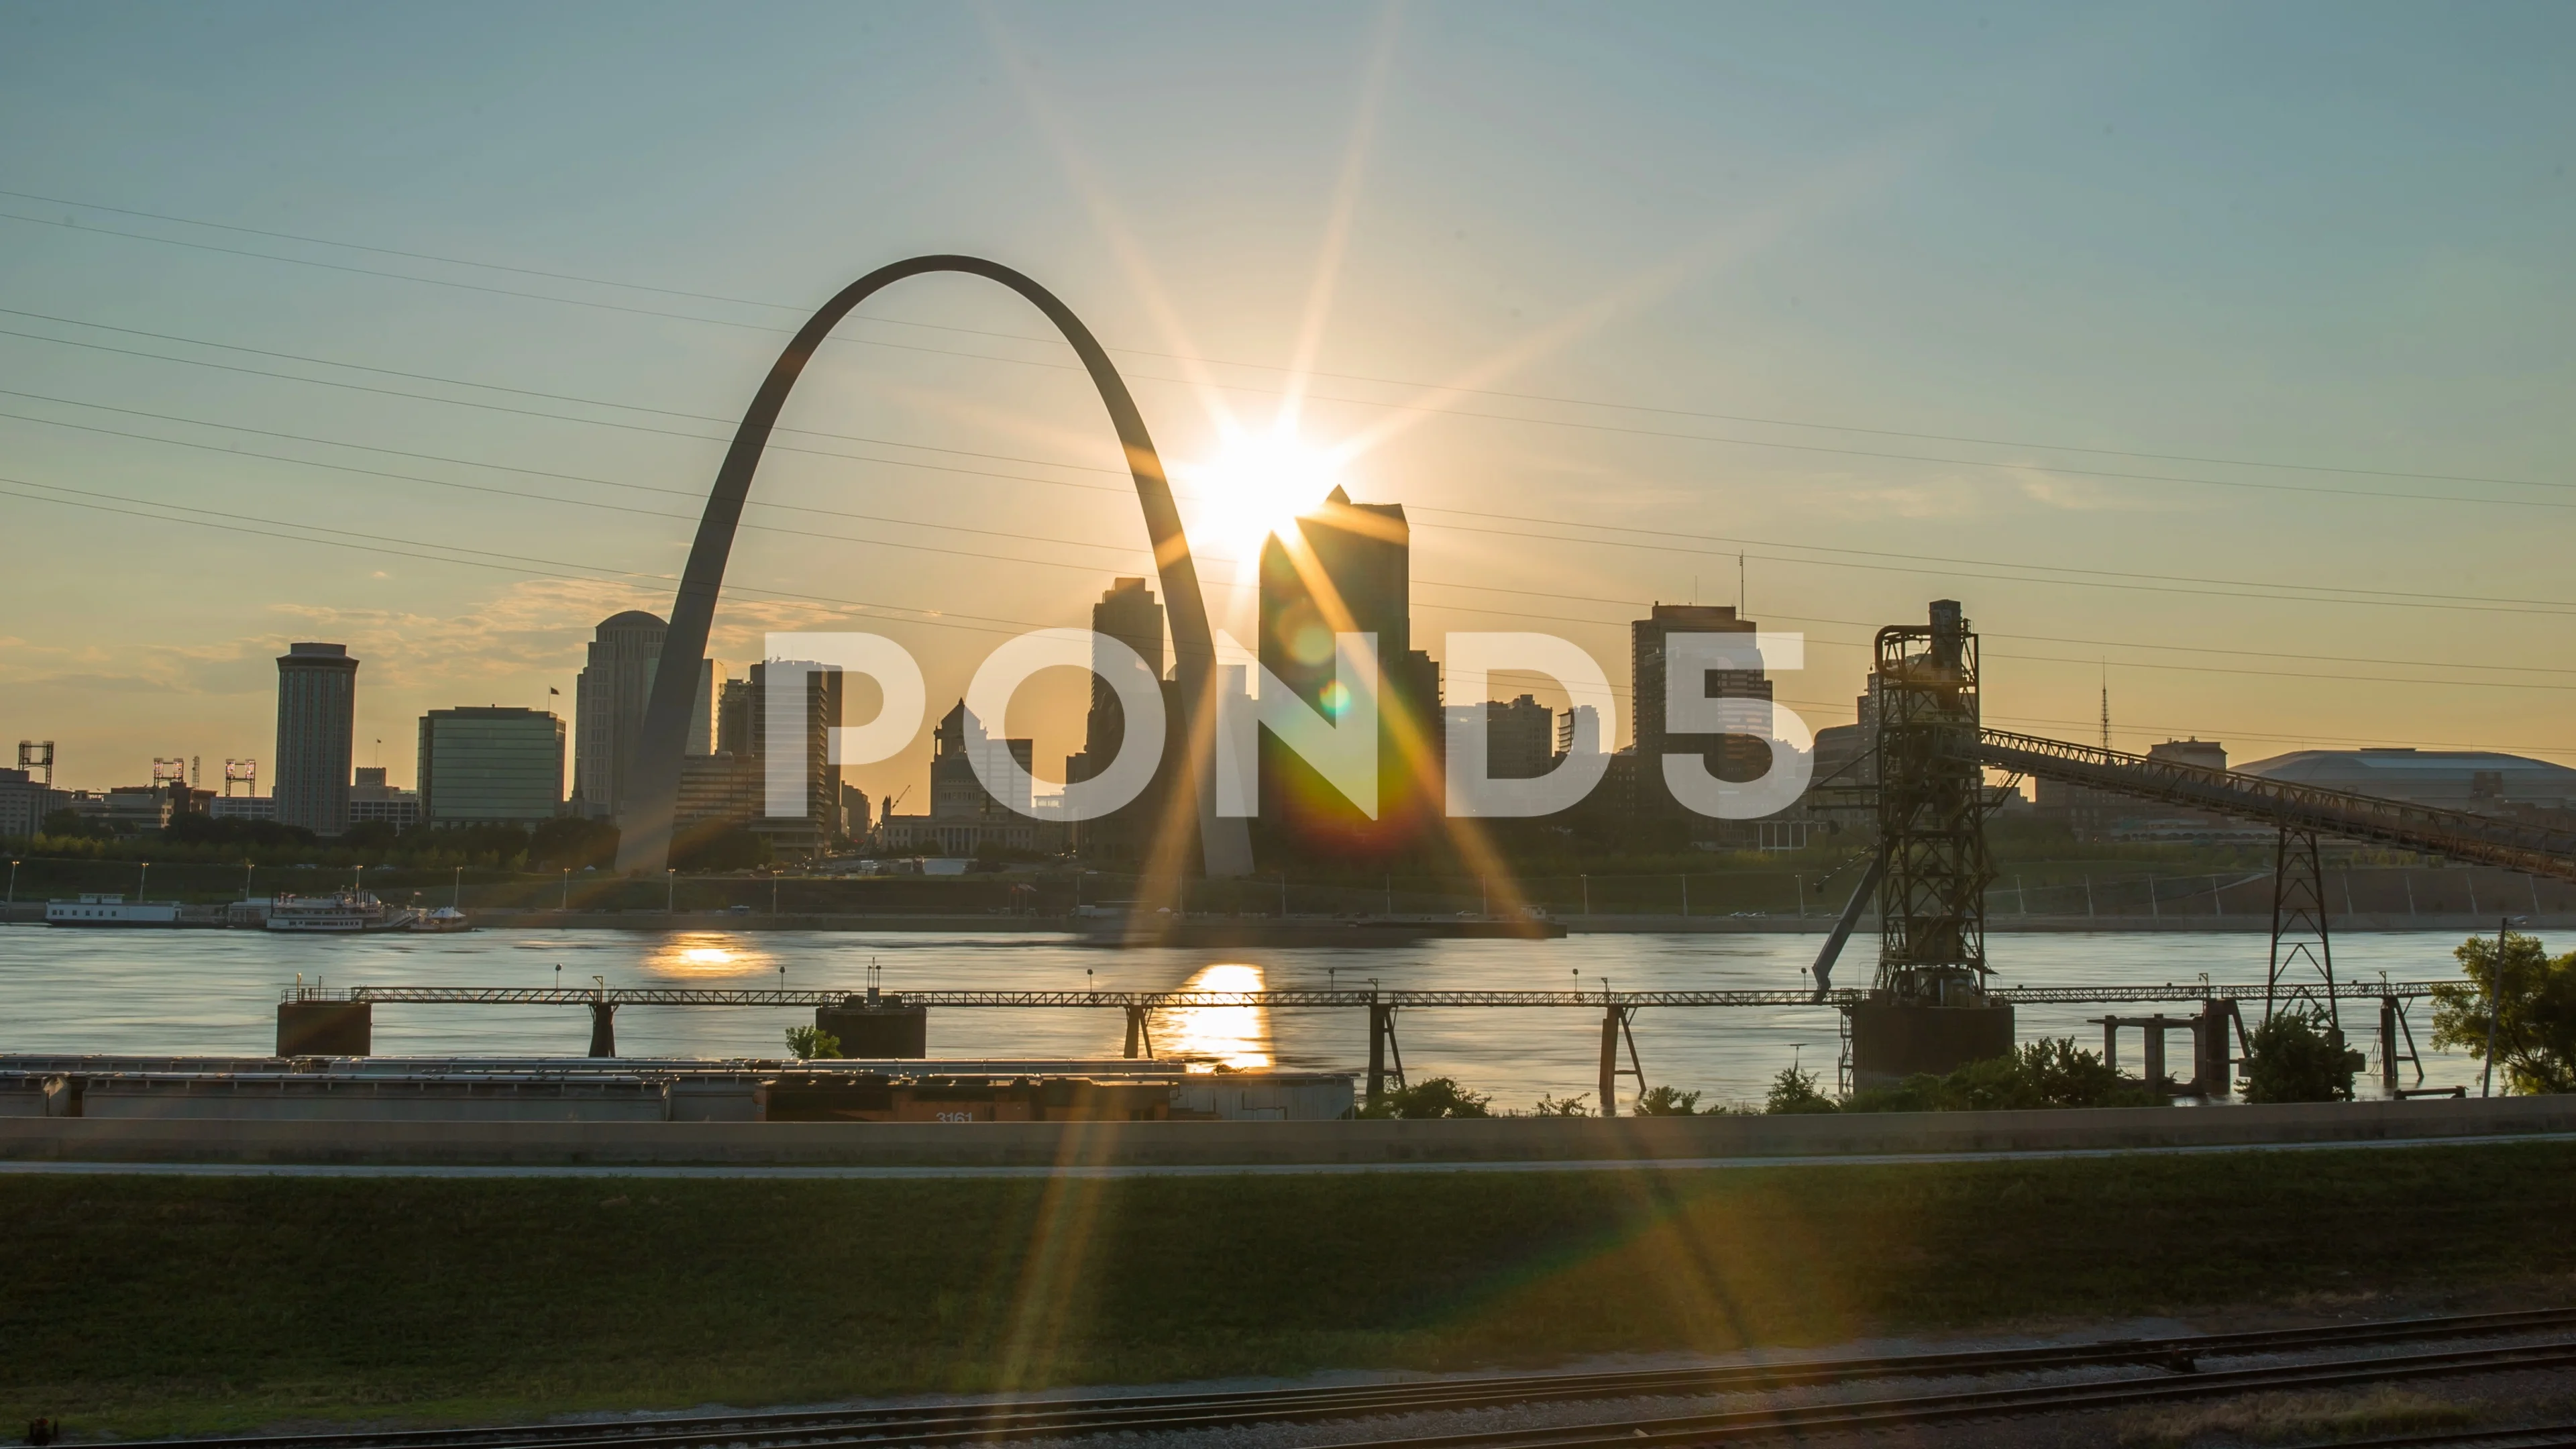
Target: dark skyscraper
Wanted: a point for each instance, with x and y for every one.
(818, 821)
(615, 682)
(1728, 757)
(1348, 570)
(1128, 613)
(317, 706)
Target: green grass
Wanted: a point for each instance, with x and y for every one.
(149, 1304)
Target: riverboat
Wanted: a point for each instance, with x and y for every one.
(340, 913)
(111, 910)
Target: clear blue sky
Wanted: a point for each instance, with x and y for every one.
(1716, 271)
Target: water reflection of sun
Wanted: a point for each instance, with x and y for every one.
(1208, 1037)
(705, 954)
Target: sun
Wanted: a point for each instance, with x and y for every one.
(1257, 485)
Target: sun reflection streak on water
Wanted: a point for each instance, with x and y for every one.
(1208, 1037)
(706, 954)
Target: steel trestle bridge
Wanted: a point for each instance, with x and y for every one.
(1288, 1000)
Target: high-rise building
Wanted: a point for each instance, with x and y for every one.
(609, 703)
(1520, 738)
(1127, 613)
(702, 710)
(733, 718)
(25, 802)
(491, 765)
(1728, 757)
(808, 829)
(1348, 569)
(317, 706)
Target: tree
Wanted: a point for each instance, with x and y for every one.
(1794, 1090)
(1551, 1106)
(569, 842)
(2535, 1025)
(2047, 1073)
(194, 829)
(73, 825)
(1666, 1102)
(732, 847)
(1431, 1097)
(812, 1043)
(2291, 1060)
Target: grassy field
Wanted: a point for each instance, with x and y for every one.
(147, 1305)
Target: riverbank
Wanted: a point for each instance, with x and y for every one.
(1301, 930)
(213, 1304)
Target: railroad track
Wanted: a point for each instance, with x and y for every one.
(2540, 1436)
(2177, 1361)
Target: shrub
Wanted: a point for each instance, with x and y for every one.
(812, 1043)
(1431, 1097)
(1574, 1106)
(1667, 1102)
(2291, 1060)
(1794, 1090)
(2044, 1073)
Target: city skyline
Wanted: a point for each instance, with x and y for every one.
(1860, 249)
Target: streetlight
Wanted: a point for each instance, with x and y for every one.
(457, 902)
(2495, 1008)
(671, 895)
(13, 882)
(143, 883)
(567, 888)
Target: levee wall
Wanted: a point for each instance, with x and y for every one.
(1562, 1141)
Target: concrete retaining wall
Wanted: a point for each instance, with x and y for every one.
(1038, 1144)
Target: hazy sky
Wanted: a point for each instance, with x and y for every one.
(2226, 349)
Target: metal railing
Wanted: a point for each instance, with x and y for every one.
(1269, 1000)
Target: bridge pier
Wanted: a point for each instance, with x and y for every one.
(877, 1027)
(1382, 1042)
(325, 1028)
(603, 1028)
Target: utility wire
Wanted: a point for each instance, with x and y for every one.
(1311, 396)
(1911, 563)
(802, 309)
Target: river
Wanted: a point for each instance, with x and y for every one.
(137, 991)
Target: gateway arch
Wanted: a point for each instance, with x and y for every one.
(645, 841)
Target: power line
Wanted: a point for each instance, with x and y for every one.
(1916, 564)
(1311, 396)
(517, 494)
(802, 309)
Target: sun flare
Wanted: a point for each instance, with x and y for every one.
(1257, 484)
